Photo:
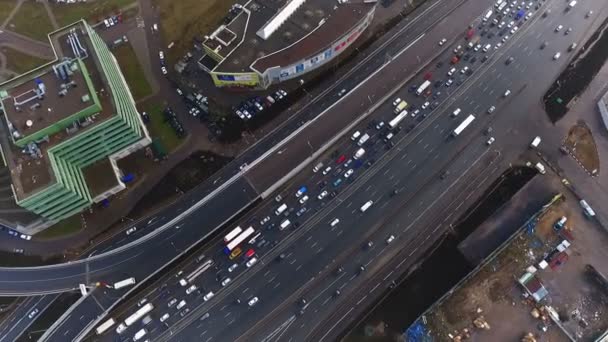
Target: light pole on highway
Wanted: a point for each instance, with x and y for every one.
(176, 249)
(312, 150)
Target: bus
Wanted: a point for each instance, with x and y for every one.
(139, 314)
(423, 87)
(105, 326)
(463, 125)
(233, 233)
(397, 119)
(237, 241)
(205, 266)
(124, 283)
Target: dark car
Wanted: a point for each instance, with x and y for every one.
(438, 83)
(509, 60)
(485, 58)
(473, 60)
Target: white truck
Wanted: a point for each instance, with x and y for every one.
(535, 142)
(541, 168)
(423, 87)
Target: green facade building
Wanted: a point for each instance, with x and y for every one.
(67, 123)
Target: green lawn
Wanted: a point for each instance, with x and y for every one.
(31, 20)
(160, 129)
(91, 11)
(184, 19)
(134, 74)
(66, 227)
(20, 62)
(6, 7)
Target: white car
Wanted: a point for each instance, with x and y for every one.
(510, 24)
(253, 301)
(463, 70)
(490, 141)
(33, 313)
(323, 195)
(25, 237)
(559, 28)
(449, 82)
(425, 105)
(380, 125)
(172, 302)
(390, 239)
(477, 47)
(181, 304)
(326, 171)
(264, 220)
(414, 113)
(396, 102)
(451, 72)
(457, 48)
(556, 56)
(191, 289)
(303, 199)
(505, 38)
(161, 55)
(442, 41)
(179, 91)
(491, 110)
(356, 135)
(232, 267)
(334, 222)
(514, 29)
(507, 93)
(251, 262)
(164, 70)
(131, 230)
(164, 317)
(349, 173)
(208, 296)
(226, 281)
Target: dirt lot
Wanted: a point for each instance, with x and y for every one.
(581, 144)
(494, 294)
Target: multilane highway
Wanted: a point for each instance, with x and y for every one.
(496, 72)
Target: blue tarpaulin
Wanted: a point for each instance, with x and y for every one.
(127, 178)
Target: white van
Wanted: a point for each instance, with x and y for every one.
(359, 153)
(138, 335)
(456, 112)
(535, 142)
(281, 209)
(541, 168)
(181, 304)
(487, 16)
(366, 206)
(363, 139)
(284, 224)
(208, 296)
(487, 48)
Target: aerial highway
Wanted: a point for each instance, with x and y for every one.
(194, 206)
(425, 17)
(498, 76)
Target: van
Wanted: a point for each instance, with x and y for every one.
(317, 167)
(541, 168)
(363, 139)
(366, 206)
(121, 328)
(284, 224)
(456, 112)
(181, 304)
(138, 335)
(535, 142)
(280, 209)
(359, 153)
(487, 16)
(356, 135)
(487, 48)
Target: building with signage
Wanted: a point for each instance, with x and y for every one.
(65, 125)
(266, 42)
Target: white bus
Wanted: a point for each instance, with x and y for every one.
(105, 326)
(124, 283)
(202, 268)
(463, 125)
(139, 314)
(397, 119)
(233, 233)
(238, 240)
(423, 87)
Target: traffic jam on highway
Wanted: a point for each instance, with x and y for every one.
(211, 273)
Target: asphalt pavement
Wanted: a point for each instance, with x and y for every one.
(498, 83)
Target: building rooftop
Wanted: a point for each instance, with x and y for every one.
(50, 105)
(277, 32)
